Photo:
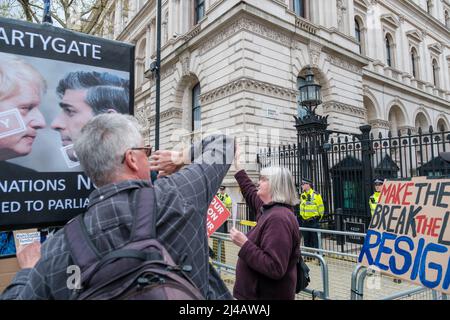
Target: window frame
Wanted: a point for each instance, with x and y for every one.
(199, 4)
(196, 107)
(388, 48)
(298, 6)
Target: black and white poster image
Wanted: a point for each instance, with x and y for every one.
(52, 82)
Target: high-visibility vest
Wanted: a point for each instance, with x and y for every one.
(226, 200)
(373, 201)
(311, 205)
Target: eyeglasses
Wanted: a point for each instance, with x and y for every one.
(147, 149)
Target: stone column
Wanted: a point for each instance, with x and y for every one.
(184, 15)
(153, 37)
(148, 43)
(171, 20)
(443, 75)
(425, 59)
(378, 36)
(403, 61)
(351, 18)
(133, 9)
(118, 18)
(333, 14)
(446, 69)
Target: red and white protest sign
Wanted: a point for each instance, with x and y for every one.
(217, 215)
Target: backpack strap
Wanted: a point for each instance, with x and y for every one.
(82, 250)
(144, 223)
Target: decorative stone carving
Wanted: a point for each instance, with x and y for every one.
(185, 60)
(340, 14)
(167, 114)
(141, 116)
(305, 25)
(247, 84)
(188, 36)
(333, 106)
(344, 64)
(245, 24)
(379, 124)
(166, 70)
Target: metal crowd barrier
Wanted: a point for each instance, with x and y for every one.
(339, 276)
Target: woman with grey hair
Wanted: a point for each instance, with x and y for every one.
(267, 264)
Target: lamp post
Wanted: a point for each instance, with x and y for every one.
(158, 74)
(312, 135)
(310, 95)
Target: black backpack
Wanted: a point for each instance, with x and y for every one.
(140, 270)
(302, 275)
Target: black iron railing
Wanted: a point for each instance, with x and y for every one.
(343, 166)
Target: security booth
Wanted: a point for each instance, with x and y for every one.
(436, 167)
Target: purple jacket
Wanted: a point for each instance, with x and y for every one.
(267, 264)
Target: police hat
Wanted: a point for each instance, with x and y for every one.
(222, 188)
(304, 181)
(378, 181)
(445, 156)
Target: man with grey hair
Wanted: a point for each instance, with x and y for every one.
(112, 152)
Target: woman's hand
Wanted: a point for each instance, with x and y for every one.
(237, 157)
(238, 237)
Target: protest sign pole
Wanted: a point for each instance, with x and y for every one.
(47, 18)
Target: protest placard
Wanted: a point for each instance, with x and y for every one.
(26, 237)
(56, 73)
(216, 216)
(409, 234)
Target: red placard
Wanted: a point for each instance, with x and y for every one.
(217, 215)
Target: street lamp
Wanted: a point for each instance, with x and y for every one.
(310, 95)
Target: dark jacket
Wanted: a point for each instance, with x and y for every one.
(182, 201)
(266, 267)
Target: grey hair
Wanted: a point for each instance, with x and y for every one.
(103, 142)
(281, 185)
(13, 71)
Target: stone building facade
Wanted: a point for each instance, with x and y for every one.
(236, 65)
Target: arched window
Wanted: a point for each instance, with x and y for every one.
(196, 108)
(199, 10)
(358, 34)
(414, 63)
(389, 44)
(299, 8)
(435, 73)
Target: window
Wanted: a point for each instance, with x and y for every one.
(414, 63)
(358, 34)
(299, 8)
(199, 10)
(388, 50)
(447, 19)
(350, 192)
(196, 108)
(435, 73)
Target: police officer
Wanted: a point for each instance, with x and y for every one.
(311, 211)
(373, 200)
